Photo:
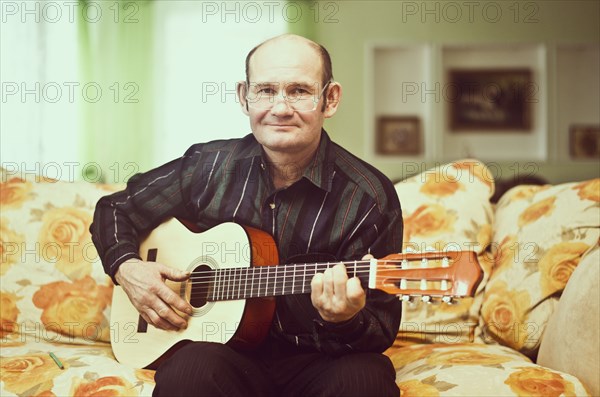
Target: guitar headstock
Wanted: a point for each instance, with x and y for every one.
(456, 275)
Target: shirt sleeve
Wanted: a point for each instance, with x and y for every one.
(148, 199)
(375, 327)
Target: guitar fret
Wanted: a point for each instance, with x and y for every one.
(239, 287)
(259, 277)
(304, 279)
(230, 283)
(226, 285)
(267, 283)
(223, 281)
(245, 284)
(293, 276)
(233, 289)
(215, 286)
(275, 283)
(222, 285)
(220, 293)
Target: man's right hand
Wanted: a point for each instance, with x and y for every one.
(144, 284)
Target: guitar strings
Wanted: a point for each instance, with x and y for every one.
(228, 282)
(298, 269)
(225, 287)
(309, 266)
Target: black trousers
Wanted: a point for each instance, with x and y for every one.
(212, 369)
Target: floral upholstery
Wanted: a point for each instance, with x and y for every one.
(52, 281)
(540, 235)
(90, 370)
(54, 296)
(447, 207)
(476, 370)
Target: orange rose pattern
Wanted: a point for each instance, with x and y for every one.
(145, 375)
(65, 239)
(8, 313)
(504, 256)
(14, 192)
(478, 170)
(535, 381)
(428, 220)
(466, 357)
(525, 192)
(23, 374)
(108, 386)
(440, 185)
(75, 309)
(557, 265)
(589, 190)
(415, 388)
(11, 244)
(536, 211)
(404, 356)
(504, 312)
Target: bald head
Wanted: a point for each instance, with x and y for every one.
(292, 40)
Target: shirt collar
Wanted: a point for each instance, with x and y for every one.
(319, 172)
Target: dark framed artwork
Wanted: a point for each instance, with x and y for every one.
(399, 135)
(490, 100)
(584, 142)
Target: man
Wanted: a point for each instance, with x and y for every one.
(289, 179)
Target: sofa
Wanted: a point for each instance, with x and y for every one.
(531, 329)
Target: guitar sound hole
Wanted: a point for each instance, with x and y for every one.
(201, 281)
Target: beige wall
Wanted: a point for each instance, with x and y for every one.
(347, 27)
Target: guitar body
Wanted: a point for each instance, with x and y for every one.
(243, 323)
(234, 277)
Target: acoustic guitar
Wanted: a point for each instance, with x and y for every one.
(235, 276)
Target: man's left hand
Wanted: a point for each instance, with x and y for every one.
(337, 297)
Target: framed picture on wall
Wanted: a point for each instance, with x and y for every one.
(399, 135)
(584, 142)
(490, 99)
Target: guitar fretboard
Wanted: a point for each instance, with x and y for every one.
(265, 281)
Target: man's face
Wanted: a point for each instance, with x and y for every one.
(284, 66)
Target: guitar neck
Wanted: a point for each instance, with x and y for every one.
(266, 281)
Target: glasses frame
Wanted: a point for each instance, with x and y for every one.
(287, 102)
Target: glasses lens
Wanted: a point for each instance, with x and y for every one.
(298, 99)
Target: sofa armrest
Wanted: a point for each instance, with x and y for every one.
(571, 342)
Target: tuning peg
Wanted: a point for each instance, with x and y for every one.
(406, 298)
(426, 298)
(448, 300)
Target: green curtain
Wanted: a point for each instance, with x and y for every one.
(117, 68)
(116, 50)
(311, 14)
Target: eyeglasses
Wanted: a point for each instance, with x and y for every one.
(300, 98)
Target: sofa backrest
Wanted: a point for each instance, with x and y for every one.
(53, 286)
(540, 235)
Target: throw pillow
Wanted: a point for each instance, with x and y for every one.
(444, 208)
(541, 233)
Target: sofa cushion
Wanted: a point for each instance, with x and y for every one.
(571, 341)
(446, 207)
(53, 286)
(26, 369)
(476, 370)
(540, 234)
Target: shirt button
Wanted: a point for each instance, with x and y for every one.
(272, 205)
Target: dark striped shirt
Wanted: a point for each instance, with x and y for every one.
(341, 209)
